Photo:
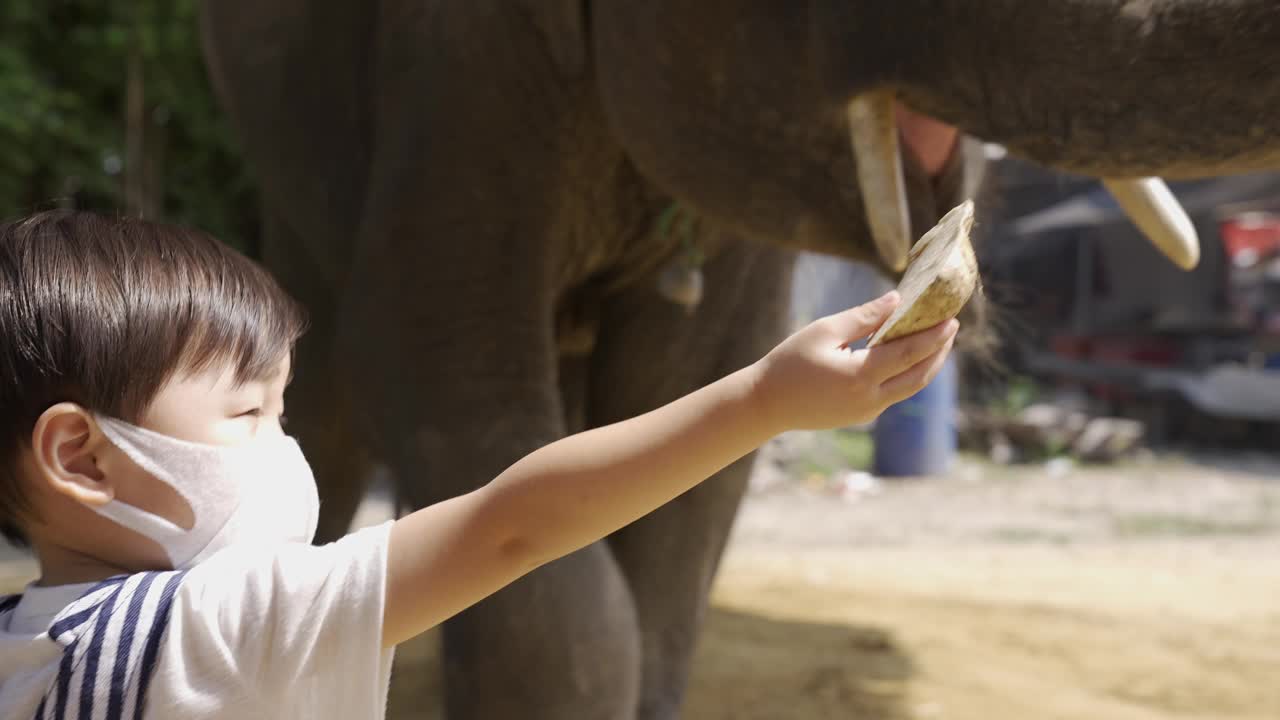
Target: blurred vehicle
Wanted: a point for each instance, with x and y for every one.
(1089, 306)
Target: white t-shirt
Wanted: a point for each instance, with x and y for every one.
(290, 632)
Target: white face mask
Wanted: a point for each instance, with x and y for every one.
(261, 492)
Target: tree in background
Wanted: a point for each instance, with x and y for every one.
(107, 106)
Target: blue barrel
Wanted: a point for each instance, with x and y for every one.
(917, 437)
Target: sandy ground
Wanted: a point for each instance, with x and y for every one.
(1140, 591)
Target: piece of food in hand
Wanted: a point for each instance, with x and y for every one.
(941, 276)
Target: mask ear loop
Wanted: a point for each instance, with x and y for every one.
(118, 431)
(157, 528)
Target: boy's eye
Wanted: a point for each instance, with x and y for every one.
(255, 412)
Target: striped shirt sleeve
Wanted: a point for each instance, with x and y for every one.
(110, 641)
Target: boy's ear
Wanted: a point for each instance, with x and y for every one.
(66, 444)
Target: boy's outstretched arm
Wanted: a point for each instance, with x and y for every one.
(579, 489)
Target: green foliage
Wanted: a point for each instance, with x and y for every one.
(1019, 393)
(856, 448)
(64, 79)
(835, 450)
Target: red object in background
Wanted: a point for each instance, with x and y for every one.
(1071, 346)
(1145, 350)
(1255, 232)
(1139, 350)
(1136, 351)
(1251, 241)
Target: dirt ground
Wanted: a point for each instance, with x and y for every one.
(1145, 590)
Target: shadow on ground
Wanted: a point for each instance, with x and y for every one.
(748, 667)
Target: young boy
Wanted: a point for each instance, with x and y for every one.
(142, 374)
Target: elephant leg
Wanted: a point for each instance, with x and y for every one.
(560, 643)
(651, 352)
(318, 405)
(457, 362)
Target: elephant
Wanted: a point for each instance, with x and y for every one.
(516, 219)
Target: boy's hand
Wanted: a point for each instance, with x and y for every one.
(812, 381)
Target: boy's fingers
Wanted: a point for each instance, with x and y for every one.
(862, 320)
(917, 377)
(889, 360)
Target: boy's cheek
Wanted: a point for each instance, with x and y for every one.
(123, 547)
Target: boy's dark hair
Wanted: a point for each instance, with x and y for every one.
(102, 311)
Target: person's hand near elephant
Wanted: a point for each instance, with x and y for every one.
(579, 489)
(813, 381)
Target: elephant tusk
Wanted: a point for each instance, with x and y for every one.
(1152, 207)
(884, 195)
